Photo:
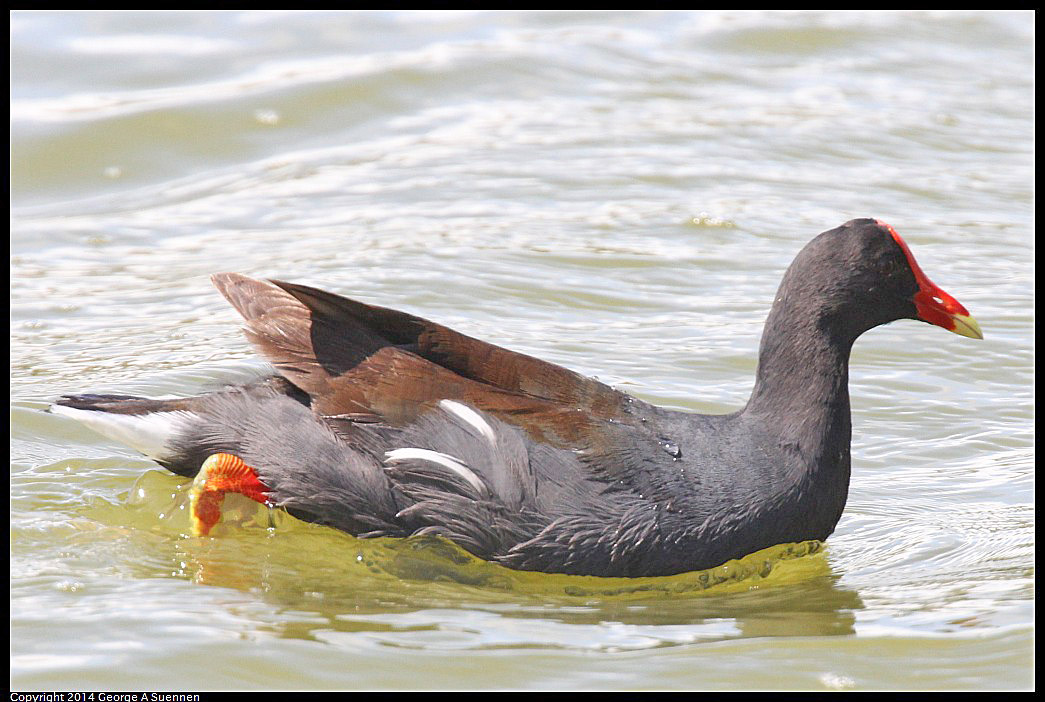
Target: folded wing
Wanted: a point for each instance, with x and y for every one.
(359, 361)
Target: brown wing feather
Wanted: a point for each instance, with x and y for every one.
(467, 356)
(353, 358)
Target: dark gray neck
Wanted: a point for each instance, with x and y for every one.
(801, 398)
(802, 385)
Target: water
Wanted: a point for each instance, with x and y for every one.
(616, 192)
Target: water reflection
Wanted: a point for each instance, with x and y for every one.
(318, 583)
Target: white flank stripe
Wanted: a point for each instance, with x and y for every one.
(147, 433)
(419, 454)
(471, 418)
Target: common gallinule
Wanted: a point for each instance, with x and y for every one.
(380, 423)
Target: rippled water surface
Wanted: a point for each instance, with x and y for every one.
(619, 193)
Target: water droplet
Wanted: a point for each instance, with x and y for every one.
(671, 447)
(266, 117)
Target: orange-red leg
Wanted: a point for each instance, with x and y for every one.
(221, 473)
